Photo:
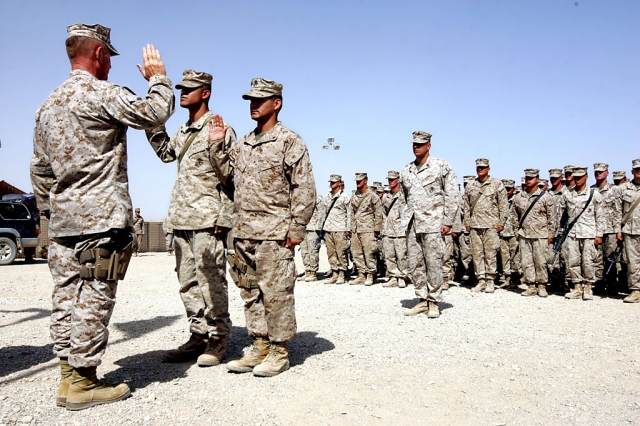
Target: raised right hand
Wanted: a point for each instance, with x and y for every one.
(153, 64)
(217, 129)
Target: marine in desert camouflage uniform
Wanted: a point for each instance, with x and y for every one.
(138, 231)
(274, 194)
(430, 188)
(509, 253)
(79, 176)
(394, 233)
(200, 214)
(310, 247)
(337, 226)
(366, 225)
(630, 194)
(486, 211)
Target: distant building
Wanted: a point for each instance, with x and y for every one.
(6, 188)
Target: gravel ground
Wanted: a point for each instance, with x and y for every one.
(488, 360)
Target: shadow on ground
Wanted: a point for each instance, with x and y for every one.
(410, 303)
(138, 328)
(36, 314)
(23, 357)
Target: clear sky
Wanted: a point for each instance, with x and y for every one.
(536, 83)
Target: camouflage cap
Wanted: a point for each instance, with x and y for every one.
(380, 189)
(555, 173)
(360, 176)
(335, 178)
(579, 171)
(137, 209)
(468, 178)
(393, 174)
(261, 88)
(636, 163)
(96, 32)
(522, 181)
(421, 137)
(531, 172)
(377, 184)
(568, 169)
(600, 167)
(619, 175)
(543, 183)
(482, 162)
(387, 188)
(193, 79)
(508, 183)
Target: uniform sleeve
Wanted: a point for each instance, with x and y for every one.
(152, 111)
(223, 161)
(225, 217)
(550, 210)
(467, 206)
(351, 213)
(320, 213)
(378, 213)
(303, 189)
(450, 187)
(348, 207)
(617, 210)
(514, 215)
(599, 211)
(42, 178)
(503, 204)
(162, 144)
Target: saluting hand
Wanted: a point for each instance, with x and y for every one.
(153, 64)
(217, 129)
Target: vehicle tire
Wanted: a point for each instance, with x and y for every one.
(8, 251)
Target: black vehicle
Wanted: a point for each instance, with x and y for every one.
(19, 227)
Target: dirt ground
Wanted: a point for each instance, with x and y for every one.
(490, 359)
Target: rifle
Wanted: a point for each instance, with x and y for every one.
(613, 258)
(566, 228)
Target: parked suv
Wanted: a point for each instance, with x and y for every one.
(19, 227)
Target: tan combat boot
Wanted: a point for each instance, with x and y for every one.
(213, 354)
(634, 297)
(258, 352)
(481, 286)
(507, 282)
(192, 349)
(393, 282)
(333, 279)
(311, 276)
(340, 278)
(369, 280)
(587, 292)
(576, 293)
(422, 306)
(360, 280)
(275, 363)
(402, 283)
(303, 278)
(542, 290)
(434, 310)
(86, 390)
(445, 284)
(66, 378)
(531, 290)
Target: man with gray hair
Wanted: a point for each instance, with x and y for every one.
(430, 187)
(79, 177)
(200, 214)
(486, 211)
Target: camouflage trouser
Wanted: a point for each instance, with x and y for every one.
(168, 240)
(269, 309)
(484, 247)
(426, 252)
(363, 248)
(137, 242)
(202, 272)
(81, 307)
(508, 249)
(465, 251)
(395, 255)
(632, 253)
(534, 252)
(310, 251)
(581, 259)
(336, 243)
(448, 262)
(604, 250)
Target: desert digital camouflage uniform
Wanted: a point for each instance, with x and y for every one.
(533, 233)
(464, 240)
(138, 231)
(394, 236)
(168, 237)
(274, 200)
(309, 249)
(490, 211)
(338, 221)
(79, 173)
(629, 193)
(612, 212)
(366, 219)
(579, 245)
(431, 203)
(509, 253)
(197, 206)
(558, 269)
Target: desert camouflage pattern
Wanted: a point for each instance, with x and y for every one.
(426, 251)
(197, 201)
(138, 225)
(81, 308)
(534, 254)
(364, 246)
(431, 195)
(510, 256)
(632, 253)
(395, 255)
(270, 309)
(491, 209)
(319, 213)
(604, 250)
(611, 208)
(580, 257)
(629, 193)
(339, 218)
(310, 251)
(337, 245)
(541, 221)
(202, 275)
(366, 212)
(592, 222)
(79, 164)
(485, 243)
(508, 230)
(275, 193)
(393, 225)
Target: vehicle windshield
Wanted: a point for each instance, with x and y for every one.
(13, 211)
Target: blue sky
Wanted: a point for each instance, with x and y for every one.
(540, 83)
